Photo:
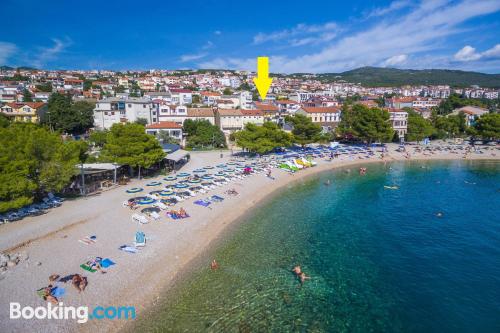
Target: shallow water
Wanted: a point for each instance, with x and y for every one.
(379, 259)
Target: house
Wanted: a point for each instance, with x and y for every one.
(399, 121)
(172, 128)
(246, 100)
(326, 117)
(201, 114)
(170, 112)
(229, 120)
(209, 97)
(300, 96)
(287, 106)
(472, 113)
(252, 116)
(270, 111)
(41, 96)
(181, 96)
(29, 112)
(113, 110)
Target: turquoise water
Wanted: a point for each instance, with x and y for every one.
(380, 260)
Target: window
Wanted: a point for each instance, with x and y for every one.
(143, 106)
(129, 105)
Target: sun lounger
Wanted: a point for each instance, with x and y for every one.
(140, 239)
(140, 218)
(129, 249)
(88, 240)
(202, 203)
(155, 215)
(217, 198)
(160, 205)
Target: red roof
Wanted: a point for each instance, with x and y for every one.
(34, 105)
(164, 125)
(181, 91)
(266, 107)
(251, 112)
(320, 109)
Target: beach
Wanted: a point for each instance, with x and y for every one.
(51, 241)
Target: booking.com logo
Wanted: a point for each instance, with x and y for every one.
(81, 314)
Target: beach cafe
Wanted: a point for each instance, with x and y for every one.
(177, 159)
(94, 177)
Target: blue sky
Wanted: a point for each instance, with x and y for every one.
(298, 36)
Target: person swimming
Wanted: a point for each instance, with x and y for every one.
(327, 183)
(300, 275)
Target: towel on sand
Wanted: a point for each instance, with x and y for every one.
(88, 268)
(129, 249)
(57, 291)
(105, 263)
(88, 240)
(202, 203)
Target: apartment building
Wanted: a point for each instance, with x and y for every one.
(28, 112)
(326, 117)
(111, 111)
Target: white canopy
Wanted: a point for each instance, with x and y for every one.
(177, 155)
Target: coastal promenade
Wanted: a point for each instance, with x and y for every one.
(51, 242)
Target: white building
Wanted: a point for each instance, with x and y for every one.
(111, 111)
(173, 129)
(246, 100)
(399, 121)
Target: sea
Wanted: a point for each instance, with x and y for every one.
(408, 247)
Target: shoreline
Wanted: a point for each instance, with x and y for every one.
(163, 265)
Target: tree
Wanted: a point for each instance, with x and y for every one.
(33, 161)
(418, 127)
(369, 124)
(141, 121)
(129, 144)
(44, 87)
(164, 137)
(64, 115)
(202, 134)
(227, 91)
(98, 138)
(262, 139)
(196, 99)
(304, 130)
(120, 89)
(488, 126)
(27, 96)
(4, 121)
(87, 85)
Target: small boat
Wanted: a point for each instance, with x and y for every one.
(394, 187)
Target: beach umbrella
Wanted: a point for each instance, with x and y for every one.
(229, 170)
(155, 183)
(194, 181)
(181, 185)
(221, 165)
(231, 163)
(146, 201)
(199, 171)
(150, 210)
(207, 177)
(208, 167)
(166, 193)
(134, 190)
(170, 178)
(183, 174)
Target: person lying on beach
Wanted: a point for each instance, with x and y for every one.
(214, 265)
(96, 264)
(46, 294)
(54, 278)
(182, 212)
(79, 282)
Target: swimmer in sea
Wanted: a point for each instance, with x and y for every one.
(327, 183)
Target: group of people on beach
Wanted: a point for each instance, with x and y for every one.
(51, 294)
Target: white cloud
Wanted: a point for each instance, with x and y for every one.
(394, 6)
(208, 45)
(218, 32)
(6, 51)
(395, 60)
(301, 34)
(493, 53)
(468, 53)
(47, 54)
(191, 57)
(415, 33)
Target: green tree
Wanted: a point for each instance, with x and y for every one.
(120, 89)
(262, 139)
(27, 96)
(227, 91)
(129, 144)
(64, 115)
(4, 121)
(98, 138)
(87, 85)
(33, 161)
(196, 99)
(165, 137)
(418, 127)
(304, 130)
(202, 134)
(44, 87)
(369, 124)
(141, 121)
(488, 126)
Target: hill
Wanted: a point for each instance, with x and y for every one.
(375, 76)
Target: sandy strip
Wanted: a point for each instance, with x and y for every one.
(137, 279)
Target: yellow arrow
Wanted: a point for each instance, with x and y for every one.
(262, 81)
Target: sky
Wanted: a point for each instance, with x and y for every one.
(297, 36)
